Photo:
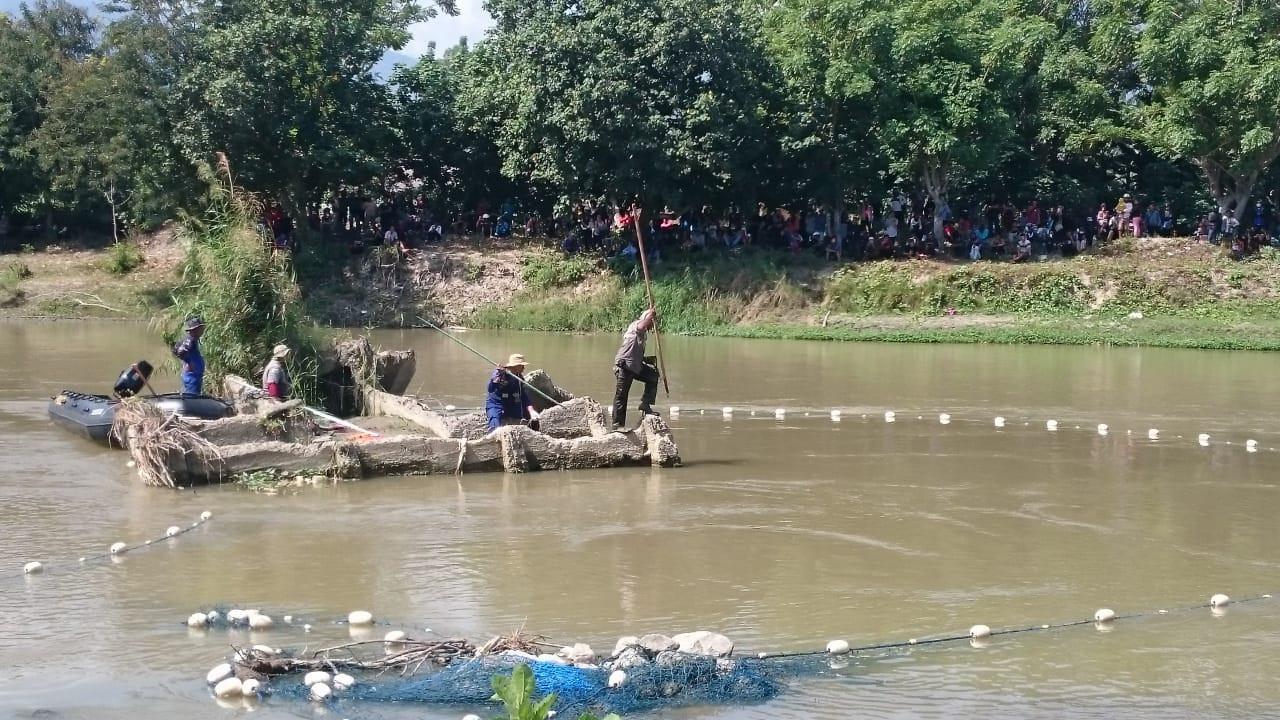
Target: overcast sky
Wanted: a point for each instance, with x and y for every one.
(471, 22)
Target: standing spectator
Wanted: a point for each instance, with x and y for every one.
(1230, 226)
(1031, 216)
(1166, 220)
(1154, 219)
(1215, 226)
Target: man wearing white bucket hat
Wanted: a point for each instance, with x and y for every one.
(275, 378)
(507, 401)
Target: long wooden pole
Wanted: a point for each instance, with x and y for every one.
(648, 288)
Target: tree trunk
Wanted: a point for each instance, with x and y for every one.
(934, 178)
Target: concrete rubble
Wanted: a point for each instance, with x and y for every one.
(280, 437)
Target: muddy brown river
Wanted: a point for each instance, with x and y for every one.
(781, 534)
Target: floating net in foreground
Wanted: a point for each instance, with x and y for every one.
(689, 680)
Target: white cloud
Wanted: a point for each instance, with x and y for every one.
(445, 30)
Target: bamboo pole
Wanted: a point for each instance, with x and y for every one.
(648, 289)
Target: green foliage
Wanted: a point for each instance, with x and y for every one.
(516, 691)
(247, 296)
(543, 272)
(124, 257)
(10, 279)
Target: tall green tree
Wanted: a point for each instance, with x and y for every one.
(661, 99)
(1209, 89)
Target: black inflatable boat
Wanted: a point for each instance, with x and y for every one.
(92, 415)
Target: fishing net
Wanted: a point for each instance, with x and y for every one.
(689, 680)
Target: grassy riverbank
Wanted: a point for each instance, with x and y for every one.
(1170, 293)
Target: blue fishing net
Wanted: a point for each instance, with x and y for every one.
(692, 680)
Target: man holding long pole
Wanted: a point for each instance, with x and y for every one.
(630, 365)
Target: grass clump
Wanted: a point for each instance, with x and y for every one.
(124, 257)
(246, 294)
(11, 277)
(543, 272)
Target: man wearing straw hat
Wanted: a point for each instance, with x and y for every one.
(275, 378)
(507, 402)
(188, 351)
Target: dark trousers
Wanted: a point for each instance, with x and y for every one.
(648, 375)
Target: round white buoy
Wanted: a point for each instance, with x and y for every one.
(206, 515)
(172, 531)
(726, 410)
(780, 414)
(197, 620)
(34, 567)
(231, 687)
(999, 422)
(83, 559)
(236, 616)
(251, 687)
(890, 416)
(1251, 445)
(360, 617)
(1051, 426)
(343, 681)
(675, 409)
(944, 418)
(978, 632)
(1103, 429)
(321, 692)
(1104, 615)
(838, 647)
(471, 717)
(450, 408)
(118, 548)
(1153, 434)
(266, 650)
(260, 622)
(835, 416)
(1203, 439)
(195, 524)
(617, 678)
(394, 639)
(213, 617)
(306, 628)
(218, 674)
(131, 464)
(1220, 600)
(315, 676)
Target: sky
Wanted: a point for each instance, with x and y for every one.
(471, 22)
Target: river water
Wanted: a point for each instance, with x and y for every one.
(782, 535)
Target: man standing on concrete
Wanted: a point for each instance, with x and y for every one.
(631, 365)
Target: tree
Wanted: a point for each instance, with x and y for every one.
(654, 98)
(288, 92)
(1209, 87)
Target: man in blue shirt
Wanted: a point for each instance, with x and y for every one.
(188, 351)
(507, 402)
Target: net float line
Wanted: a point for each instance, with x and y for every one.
(115, 550)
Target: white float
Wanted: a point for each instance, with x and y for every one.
(266, 650)
(236, 616)
(343, 681)
(780, 414)
(33, 568)
(213, 617)
(1251, 445)
(316, 676)
(118, 548)
(835, 415)
(250, 687)
(978, 632)
(1104, 615)
(450, 408)
(726, 411)
(218, 674)
(1051, 426)
(229, 688)
(1203, 439)
(306, 628)
(999, 422)
(1219, 601)
(288, 619)
(321, 692)
(890, 416)
(172, 531)
(838, 647)
(675, 409)
(471, 717)
(206, 515)
(260, 622)
(197, 620)
(1103, 429)
(553, 659)
(394, 639)
(360, 617)
(1153, 434)
(944, 418)
(617, 678)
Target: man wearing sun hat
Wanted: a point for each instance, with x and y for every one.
(275, 378)
(188, 351)
(507, 402)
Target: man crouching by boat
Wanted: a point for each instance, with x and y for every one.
(507, 402)
(630, 365)
(275, 378)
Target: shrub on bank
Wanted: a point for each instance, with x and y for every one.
(124, 257)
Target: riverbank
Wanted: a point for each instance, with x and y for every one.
(1157, 292)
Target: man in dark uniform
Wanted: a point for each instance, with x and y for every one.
(506, 401)
(188, 351)
(630, 365)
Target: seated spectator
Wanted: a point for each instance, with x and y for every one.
(998, 245)
(1024, 250)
